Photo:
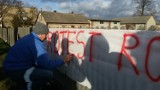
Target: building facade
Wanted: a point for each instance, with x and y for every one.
(63, 20)
(137, 23)
(104, 24)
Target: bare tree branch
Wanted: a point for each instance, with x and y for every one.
(145, 7)
(6, 5)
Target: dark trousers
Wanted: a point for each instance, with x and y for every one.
(39, 78)
(18, 82)
(32, 79)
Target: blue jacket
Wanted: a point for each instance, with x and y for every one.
(27, 52)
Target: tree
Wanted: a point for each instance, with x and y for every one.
(145, 7)
(32, 18)
(25, 17)
(6, 5)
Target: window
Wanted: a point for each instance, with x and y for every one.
(101, 22)
(115, 22)
(63, 26)
(72, 26)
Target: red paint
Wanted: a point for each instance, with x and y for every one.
(51, 36)
(124, 48)
(56, 36)
(91, 44)
(49, 47)
(69, 40)
(62, 43)
(155, 79)
(58, 41)
(83, 44)
(123, 51)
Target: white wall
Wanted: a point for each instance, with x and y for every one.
(115, 25)
(99, 63)
(96, 24)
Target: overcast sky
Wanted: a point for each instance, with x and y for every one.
(105, 9)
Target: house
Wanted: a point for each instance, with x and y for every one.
(17, 17)
(158, 25)
(137, 23)
(104, 24)
(63, 20)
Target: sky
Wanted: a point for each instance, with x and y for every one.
(104, 9)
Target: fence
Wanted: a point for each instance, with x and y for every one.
(109, 59)
(11, 35)
(104, 59)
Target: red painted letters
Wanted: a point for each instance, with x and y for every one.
(124, 48)
(80, 42)
(123, 51)
(91, 44)
(146, 60)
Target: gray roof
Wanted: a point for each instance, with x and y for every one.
(56, 17)
(136, 20)
(105, 20)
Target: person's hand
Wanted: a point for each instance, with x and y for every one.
(68, 58)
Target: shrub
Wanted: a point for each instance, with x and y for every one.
(4, 47)
(153, 28)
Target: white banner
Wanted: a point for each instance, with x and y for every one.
(109, 59)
